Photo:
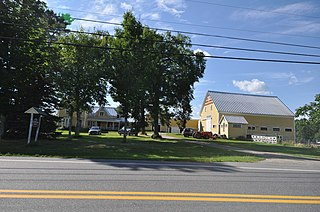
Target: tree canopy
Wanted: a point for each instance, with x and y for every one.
(27, 28)
(308, 124)
(47, 66)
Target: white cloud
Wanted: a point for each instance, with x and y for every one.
(296, 8)
(204, 52)
(126, 6)
(152, 16)
(174, 7)
(303, 27)
(289, 78)
(87, 25)
(254, 86)
(109, 9)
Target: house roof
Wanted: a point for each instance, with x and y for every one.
(235, 119)
(111, 111)
(249, 104)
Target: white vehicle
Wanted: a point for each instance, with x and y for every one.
(95, 130)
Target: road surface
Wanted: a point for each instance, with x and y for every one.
(52, 184)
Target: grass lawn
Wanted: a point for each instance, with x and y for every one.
(289, 149)
(111, 146)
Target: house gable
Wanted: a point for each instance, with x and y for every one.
(104, 112)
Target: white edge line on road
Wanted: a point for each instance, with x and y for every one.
(159, 164)
(277, 169)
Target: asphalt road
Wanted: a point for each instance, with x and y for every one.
(50, 184)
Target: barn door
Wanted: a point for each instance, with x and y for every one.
(208, 124)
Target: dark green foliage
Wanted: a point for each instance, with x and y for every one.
(82, 76)
(308, 126)
(26, 74)
(153, 72)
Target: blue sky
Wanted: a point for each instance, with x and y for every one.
(288, 21)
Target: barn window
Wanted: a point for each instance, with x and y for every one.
(263, 128)
(288, 130)
(251, 128)
(276, 129)
(236, 125)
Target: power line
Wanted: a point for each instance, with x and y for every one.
(210, 35)
(197, 25)
(193, 44)
(135, 50)
(254, 9)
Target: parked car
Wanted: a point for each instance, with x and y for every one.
(129, 130)
(188, 132)
(94, 130)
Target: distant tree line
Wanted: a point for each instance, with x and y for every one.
(45, 65)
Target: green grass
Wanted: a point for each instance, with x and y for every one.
(111, 146)
(286, 148)
(290, 149)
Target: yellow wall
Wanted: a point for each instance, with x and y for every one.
(269, 122)
(232, 132)
(257, 121)
(209, 109)
(193, 123)
(224, 130)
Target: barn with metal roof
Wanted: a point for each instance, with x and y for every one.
(238, 115)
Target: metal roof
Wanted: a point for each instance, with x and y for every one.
(249, 104)
(236, 119)
(111, 111)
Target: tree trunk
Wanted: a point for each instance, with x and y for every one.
(156, 126)
(156, 118)
(78, 126)
(70, 125)
(2, 125)
(143, 119)
(125, 129)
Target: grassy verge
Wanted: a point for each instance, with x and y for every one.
(111, 146)
(289, 149)
(286, 148)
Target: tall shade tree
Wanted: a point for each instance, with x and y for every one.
(82, 78)
(125, 78)
(174, 70)
(308, 124)
(152, 71)
(27, 28)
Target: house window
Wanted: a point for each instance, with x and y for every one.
(211, 107)
(236, 125)
(276, 129)
(288, 130)
(205, 109)
(101, 114)
(251, 128)
(213, 126)
(263, 128)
